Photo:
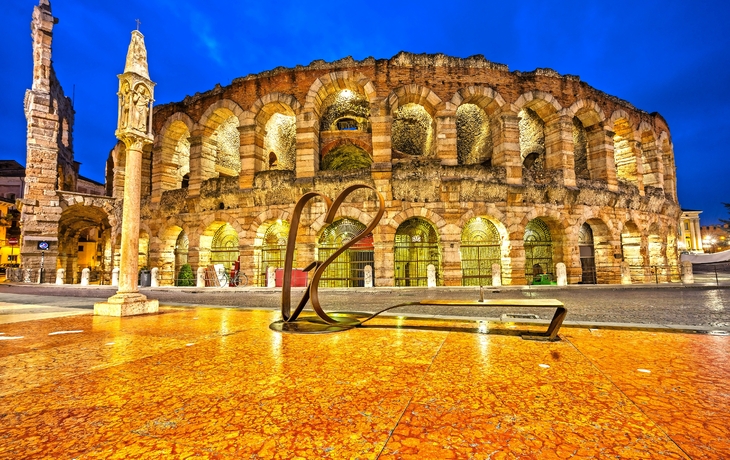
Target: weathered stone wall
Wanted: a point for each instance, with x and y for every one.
(601, 161)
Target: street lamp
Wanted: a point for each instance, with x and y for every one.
(709, 243)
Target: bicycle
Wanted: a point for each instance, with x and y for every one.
(239, 279)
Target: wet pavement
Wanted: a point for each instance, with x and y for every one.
(664, 306)
(193, 382)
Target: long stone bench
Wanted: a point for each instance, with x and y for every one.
(551, 334)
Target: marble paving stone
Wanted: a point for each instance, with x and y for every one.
(218, 383)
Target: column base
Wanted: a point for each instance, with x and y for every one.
(128, 304)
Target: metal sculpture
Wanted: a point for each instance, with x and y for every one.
(335, 322)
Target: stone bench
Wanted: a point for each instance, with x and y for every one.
(550, 335)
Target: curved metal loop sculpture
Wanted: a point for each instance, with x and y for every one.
(327, 323)
(312, 292)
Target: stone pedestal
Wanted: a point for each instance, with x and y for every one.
(496, 275)
(85, 274)
(60, 275)
(127, 304)
(200, 278)
(271, 277)
(431, 273)
(561, 274)
(687, 273)
(368, 276)
(115, 277)
(625, 273)
(155, 277)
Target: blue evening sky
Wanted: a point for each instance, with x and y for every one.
(671, 57)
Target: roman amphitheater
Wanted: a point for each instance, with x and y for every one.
(478, 166)
(481, 169)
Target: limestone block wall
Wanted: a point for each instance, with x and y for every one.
(446, 140)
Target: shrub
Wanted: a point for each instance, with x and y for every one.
(186, 276)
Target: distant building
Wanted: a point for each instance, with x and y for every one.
(12, 180)
(9, 234)
(690, 234)
(716, 238)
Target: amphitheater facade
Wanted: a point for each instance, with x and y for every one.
(478, 166)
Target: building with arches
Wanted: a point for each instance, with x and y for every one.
(478, 166)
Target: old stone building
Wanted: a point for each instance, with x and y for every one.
(478, 166)
(61, 212)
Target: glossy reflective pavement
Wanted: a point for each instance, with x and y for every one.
(218, 383)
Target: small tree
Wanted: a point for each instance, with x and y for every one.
(726, 221)
(186, 277)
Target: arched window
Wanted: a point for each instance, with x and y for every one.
(416, 247)
(348, 270)
(473, 138)
(587, 254)
(272, 250)
(538, 249)
(224, 248)
(532, 139)
(480, 249)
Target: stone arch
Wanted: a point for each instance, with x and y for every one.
(651, 157)
(434, 218)
(217, 112)
(588, 140)
(274, 120)
(601, 251)
(171, 154)
(417, 245)
(542, 103)
(414, 94)
(626, 157)
(482, 245)
(666, 148)
(169, 256)
(309, 120)
(414, 109)
(484, 97)
(334, 82)
(78, 216)
(269, 253)
(258, 225)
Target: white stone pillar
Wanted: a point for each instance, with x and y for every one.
(687, 273)
(698, 234)
(561, 273)
(26, 275)
(115, 276)
(496, 275)
(625, 273)
(85, 276)
(368, 276)
(201, 277)
(60, 275)
(431, 272)
(155, 277)
(271, 277)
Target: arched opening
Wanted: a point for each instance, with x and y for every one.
(473, 136)
(143, 255)
(538, 249)
(651, 160)
(280, 138)
(657, 259)
(176, 149)
(416, 247)
(224, 246)
(271, 252)
(580, 150)
(624, 155)
(83, 232)
(631, 250)
(587, 254)
(228, 140)
(532, 139)
(345, 110)
(412, 131)
(346, 157)
(480, 249)
(182, 244)
(348, 269)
